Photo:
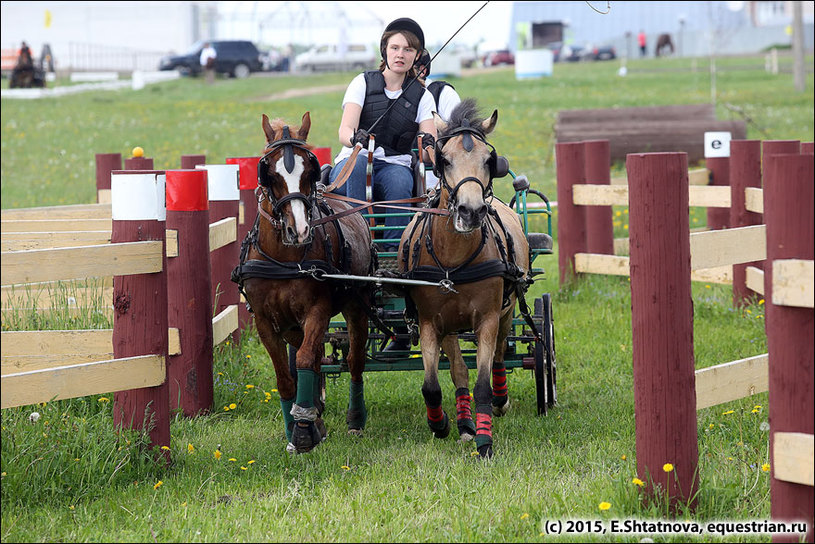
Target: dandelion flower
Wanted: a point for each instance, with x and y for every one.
(226, 408)
(667, 467)
(764, 426)
(604, 505)
(250, 386)
(637, 481)
(712, 425)
(103, 399)
(765, 467)
(473, 453)
(623, 457)
(165, 448)
(232, 459)
(345, 467)
(217, 454)
(34, 417)
(244, 468)
(233, 406)
(761, 302)
(727, 413)
(190, 448)
(274, 390)
(525, 516)
(158, 484)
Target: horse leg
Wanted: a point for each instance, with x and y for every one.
(431, 390)
(461, 379)
(357, 414)
(308, 429)
(276, 348)
(500, 396)
(486, 333)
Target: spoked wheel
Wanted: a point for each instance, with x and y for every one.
(545, 365)
(540, 364)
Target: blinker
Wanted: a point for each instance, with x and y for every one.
(288, 152)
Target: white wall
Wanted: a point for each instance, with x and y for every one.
(158, 27)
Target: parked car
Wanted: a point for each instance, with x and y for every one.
(601, 52)
(572, 53)
(357, 56)
(497, 58)
(237, 58)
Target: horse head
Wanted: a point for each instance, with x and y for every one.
(287, 174)
(466, 164)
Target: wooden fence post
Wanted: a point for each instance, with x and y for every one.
(189, 308)
(323, 155)
(571, 219)
(105, 164)
(662, 324)
(189, 162)
(140, 302)
(247, 211)
(807, 148)
(224, 195)
(788, 213)
(599, 220)
(139, 163)
(745, 171)
(719, 168)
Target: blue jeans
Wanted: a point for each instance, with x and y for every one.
(389, 182)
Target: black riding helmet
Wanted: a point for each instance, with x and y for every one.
(424, 60)
(403, 23)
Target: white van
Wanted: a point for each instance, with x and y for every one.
(329, 57)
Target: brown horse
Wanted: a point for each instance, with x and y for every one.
(281, 260)
(482, 249)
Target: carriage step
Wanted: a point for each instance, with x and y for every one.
(540, 240)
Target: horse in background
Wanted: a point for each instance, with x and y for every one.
(280, 259)
(482, 249)
(665, 46)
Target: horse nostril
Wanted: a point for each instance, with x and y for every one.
(482, 211)
(291, 234)
(463, 210)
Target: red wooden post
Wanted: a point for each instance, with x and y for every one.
(599, 221)
(745, 171)
(807, 148)
(189, 162)
(139, 163)
(719, 167)
(662, 323)
(247, 211)
(571, 219)
(189, 309)
(105, 164)
(323, 155)
(224, 195)
(788, 213)
(140, 301)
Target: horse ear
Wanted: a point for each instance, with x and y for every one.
(439, 122)
(267, 129)
(489, 124)
(305, 126)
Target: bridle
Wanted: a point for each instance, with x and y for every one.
(467, 133)
(264, 190)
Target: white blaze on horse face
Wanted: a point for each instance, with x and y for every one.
(298, 210)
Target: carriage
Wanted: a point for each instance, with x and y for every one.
(312, 236)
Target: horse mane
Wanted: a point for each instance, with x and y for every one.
(466, 110)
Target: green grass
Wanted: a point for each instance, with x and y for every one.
(71, 476)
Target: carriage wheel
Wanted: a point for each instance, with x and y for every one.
(549, 347)
(540, 365)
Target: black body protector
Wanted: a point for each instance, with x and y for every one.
(397, 130)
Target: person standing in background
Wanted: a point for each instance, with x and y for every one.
(641, 40)
(207, 59)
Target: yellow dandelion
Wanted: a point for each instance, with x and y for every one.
(473, 453)
(217, 454)
(103, 400)
(604, 505)
(637, 481)
(625, 227)
(274, 390)
(220, 373)
(244, 468)
(4, 474)
(727, 413)
(748, 311)
(667, 467)
(226, 408)
(250, 386)
(765, 467)
(345, 467)
(184, 503)
(190, 448)
(232, 460)
(71, 507)
(165, 448)
(158, 484)
(623, 457)
(707, 286)
(250, 462)
(248, 356)
(232, 406)
(525, 516)
(711, 426)
(761, 302)
(757, 407)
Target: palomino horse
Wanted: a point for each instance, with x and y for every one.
(293, 241)
(482, 249)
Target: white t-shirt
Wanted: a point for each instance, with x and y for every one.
(448, 99)
(206, 54)
(355, 93)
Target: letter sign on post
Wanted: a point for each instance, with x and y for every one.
(717, 144)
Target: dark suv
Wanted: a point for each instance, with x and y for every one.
(238, 58)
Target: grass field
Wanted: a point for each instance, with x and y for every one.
(69, 476)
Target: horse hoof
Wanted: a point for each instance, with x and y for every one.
(321, 428)
(306, 437)
(442, 428)
(355, 432)
(500, 406)
(485, 451)
(356, 419)
(291, 449)
(466, 437)
(466, 429)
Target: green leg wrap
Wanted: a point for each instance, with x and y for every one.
(305, 388)
(357, 413)
(288, 420)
